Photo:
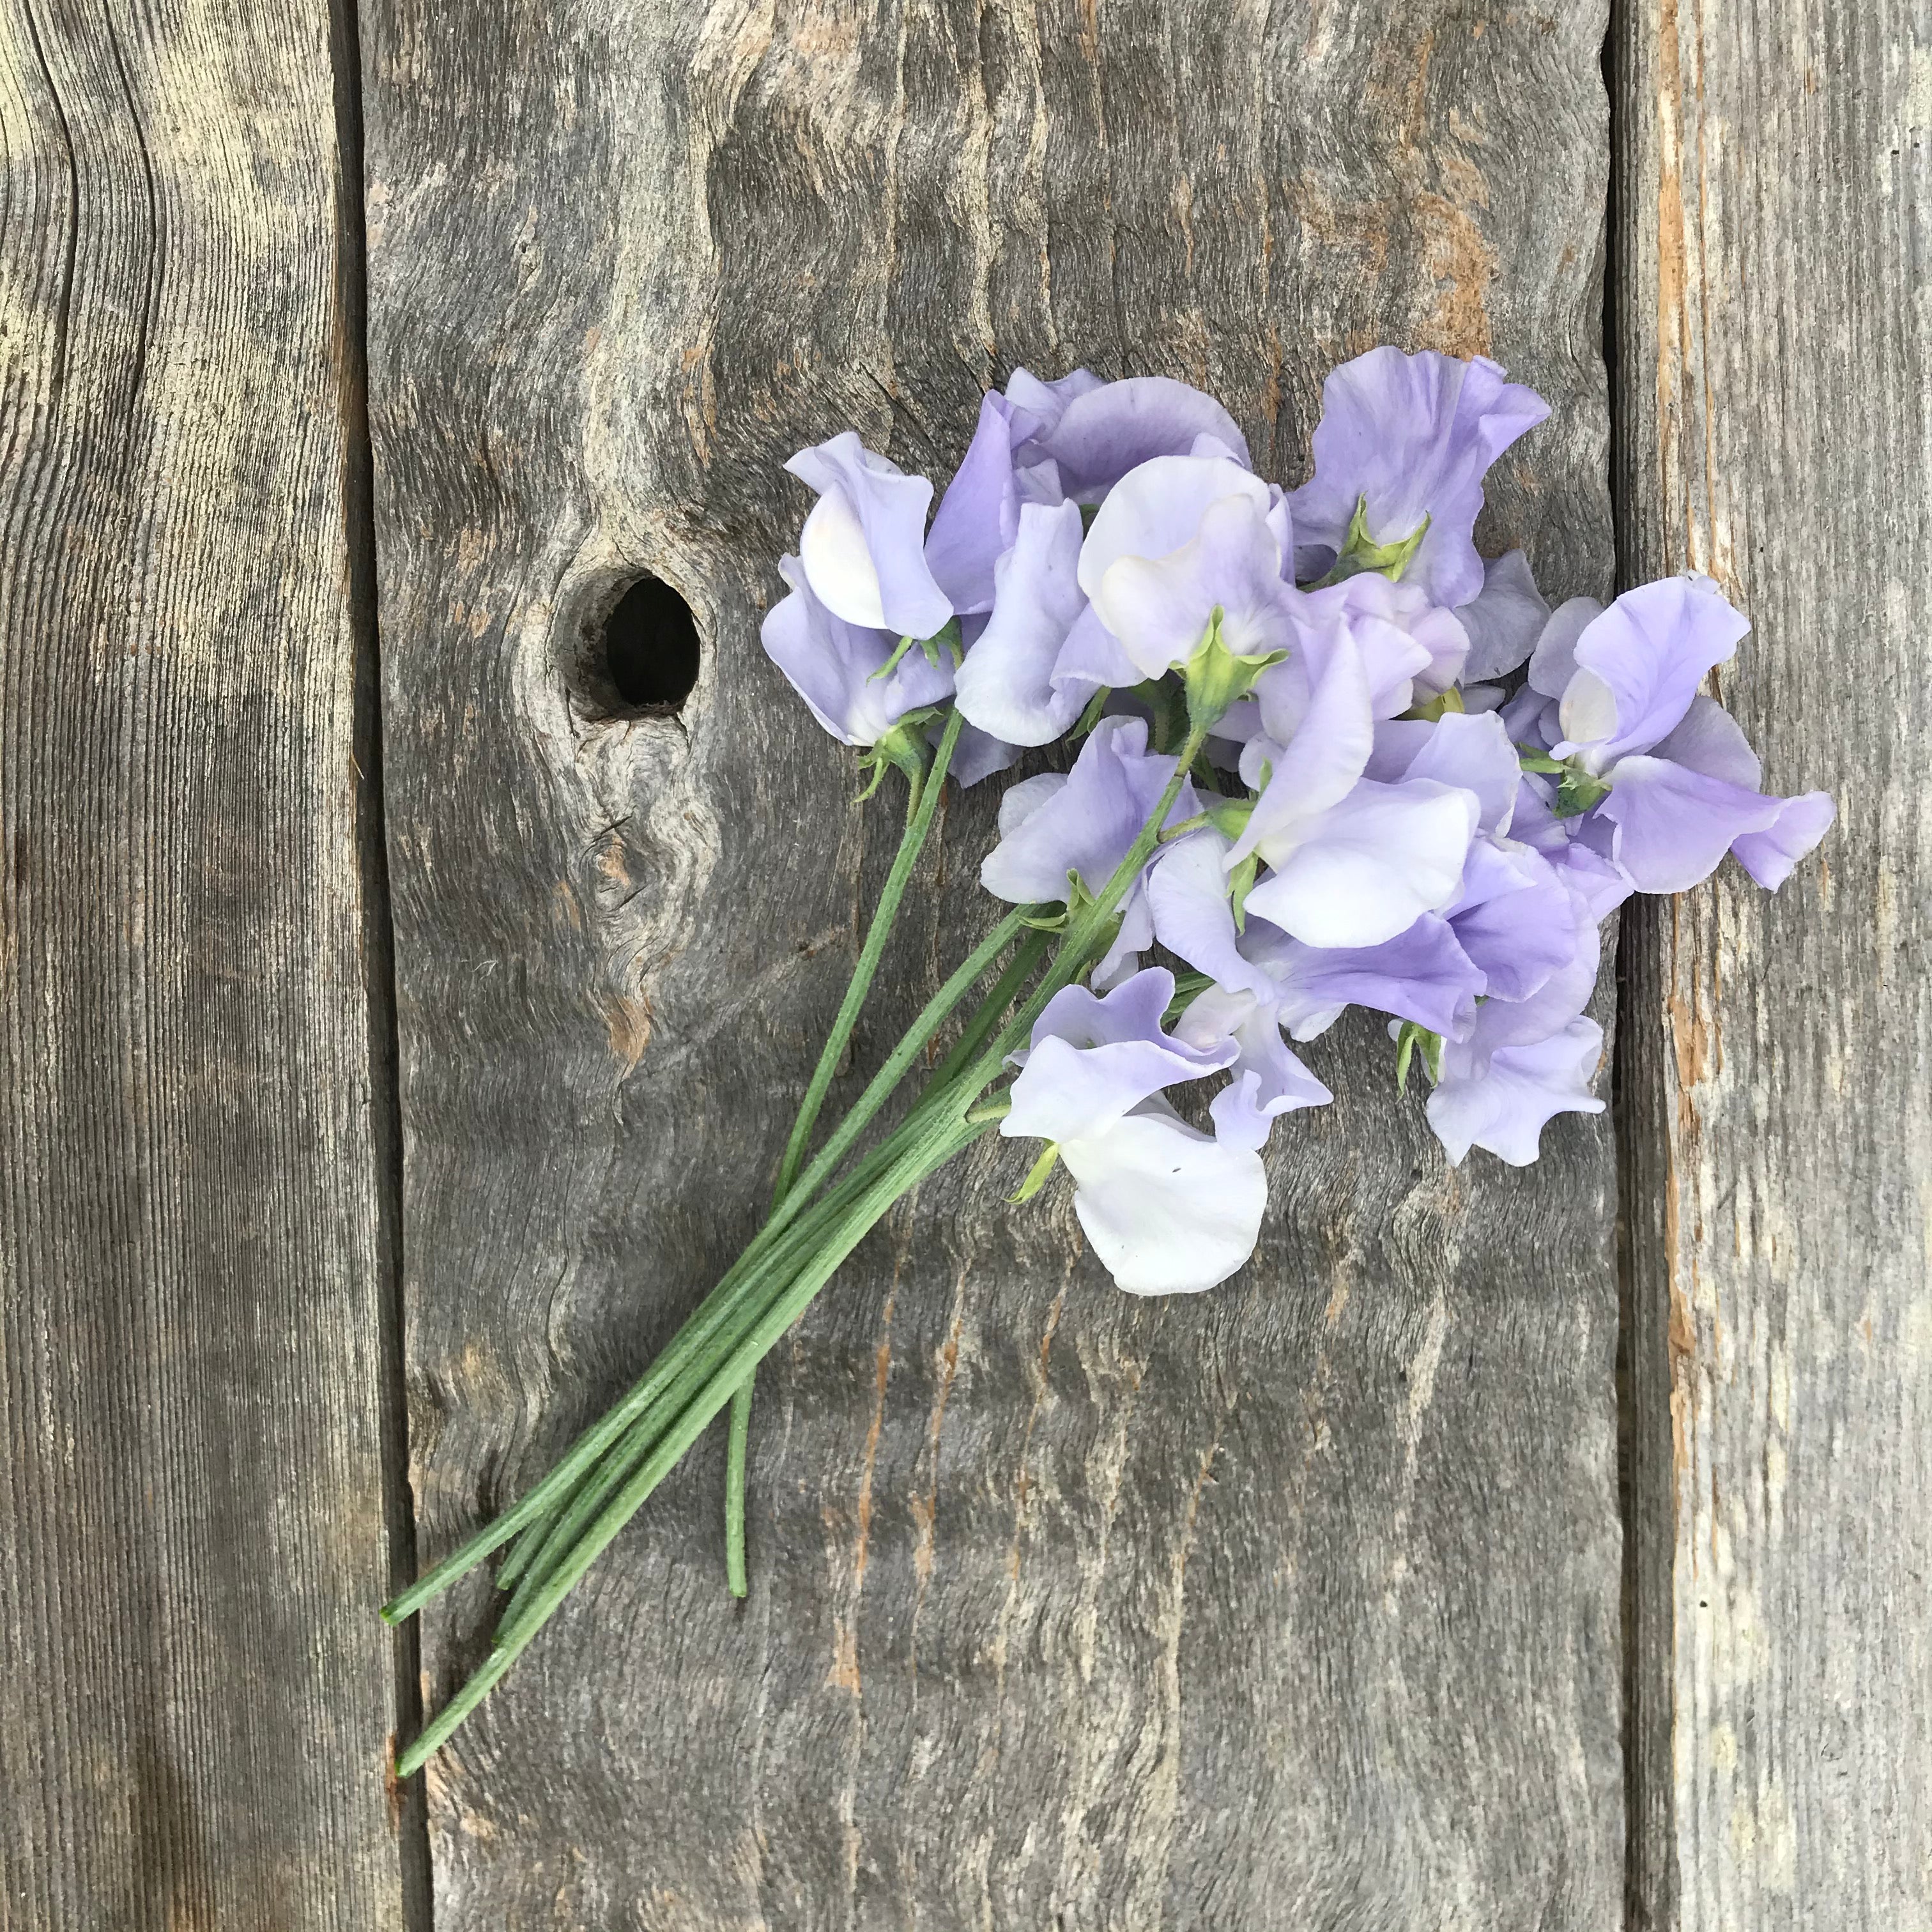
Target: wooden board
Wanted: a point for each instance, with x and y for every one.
(1775, 196)
(1295, 1605)
(196, 1704)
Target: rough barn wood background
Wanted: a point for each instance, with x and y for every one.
(398, 1027)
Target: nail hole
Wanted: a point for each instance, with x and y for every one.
(650, 647)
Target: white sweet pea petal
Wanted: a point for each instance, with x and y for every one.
(1368, 868)
(1192, 915)
(1169, 1209)
(1154, 510)
(1160, 607)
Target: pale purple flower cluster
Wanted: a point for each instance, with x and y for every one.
(1374, 818)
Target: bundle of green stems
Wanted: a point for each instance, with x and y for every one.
(819, 1214)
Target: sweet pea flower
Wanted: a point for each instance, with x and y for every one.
(1522, 1063)
(1504, 619)
(863, 546)
(1408, 438)
(1169, 1209)
(1352, 861)
(1178, 537)
(835, 665)
(1405, 644)
(1680, 785)
(1095, 433)
(978, 520)
(1079, 825)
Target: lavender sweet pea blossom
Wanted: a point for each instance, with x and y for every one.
(978, 520)
(1095, 433)
(863, 546)
(1522, 1063)
(835, 666)
(1168, 1209)
(1620, 693)
(1178, 536)
(1352, 861)
(1080, 826)
(1409, 438)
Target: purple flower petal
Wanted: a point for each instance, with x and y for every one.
(1552, 664)
(1086, 824)
(1639, 665)
(1107, 431)
(1005, 684)
(1422, 974)
(863, 546)
(1413, 435)
(1505, 618)
(1673, 824)
(1709, 739)
(978, 519)
(1802, 822)
(1269, 1080)
(1502, 1100)
(1515, 919)
(1092, 1059)
(833, 665)
(1471, 750)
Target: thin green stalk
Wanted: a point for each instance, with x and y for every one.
(985, 1022)
(922, 802)
(930, 1150)
(766, 1251)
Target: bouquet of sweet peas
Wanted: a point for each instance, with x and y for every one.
(1312, 773)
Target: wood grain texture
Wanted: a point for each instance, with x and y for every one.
(1775, 193)
(1293, 1605)
(195, 1705)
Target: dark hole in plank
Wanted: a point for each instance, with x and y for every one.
(650, 647)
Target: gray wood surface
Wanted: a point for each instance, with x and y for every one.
(1294, 1605)
(1775, 194)
(194, 1704)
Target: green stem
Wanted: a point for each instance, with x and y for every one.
(929, 1151)
(922, 805)
(922, 802)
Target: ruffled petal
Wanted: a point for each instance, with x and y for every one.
(1169, 1209)
(1105, 431)
(1504, 620)
(1673, 825)
(1639, 665)
(863, 546)
(1503, 1101)
(1802, 822)
(1369, 867)
(1005, 686)
(1157, 508)
(1411, 437)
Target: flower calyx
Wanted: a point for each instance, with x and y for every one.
(1438, 705)
(1360, 552)
(946, 638)
(1216, 676)
(1410, 1037)
(903, 745)
(1576, 790)
(1037, 1174)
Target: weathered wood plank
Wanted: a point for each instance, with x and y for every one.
(1775, 193)
(195, 1705)
(1295, 1605)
